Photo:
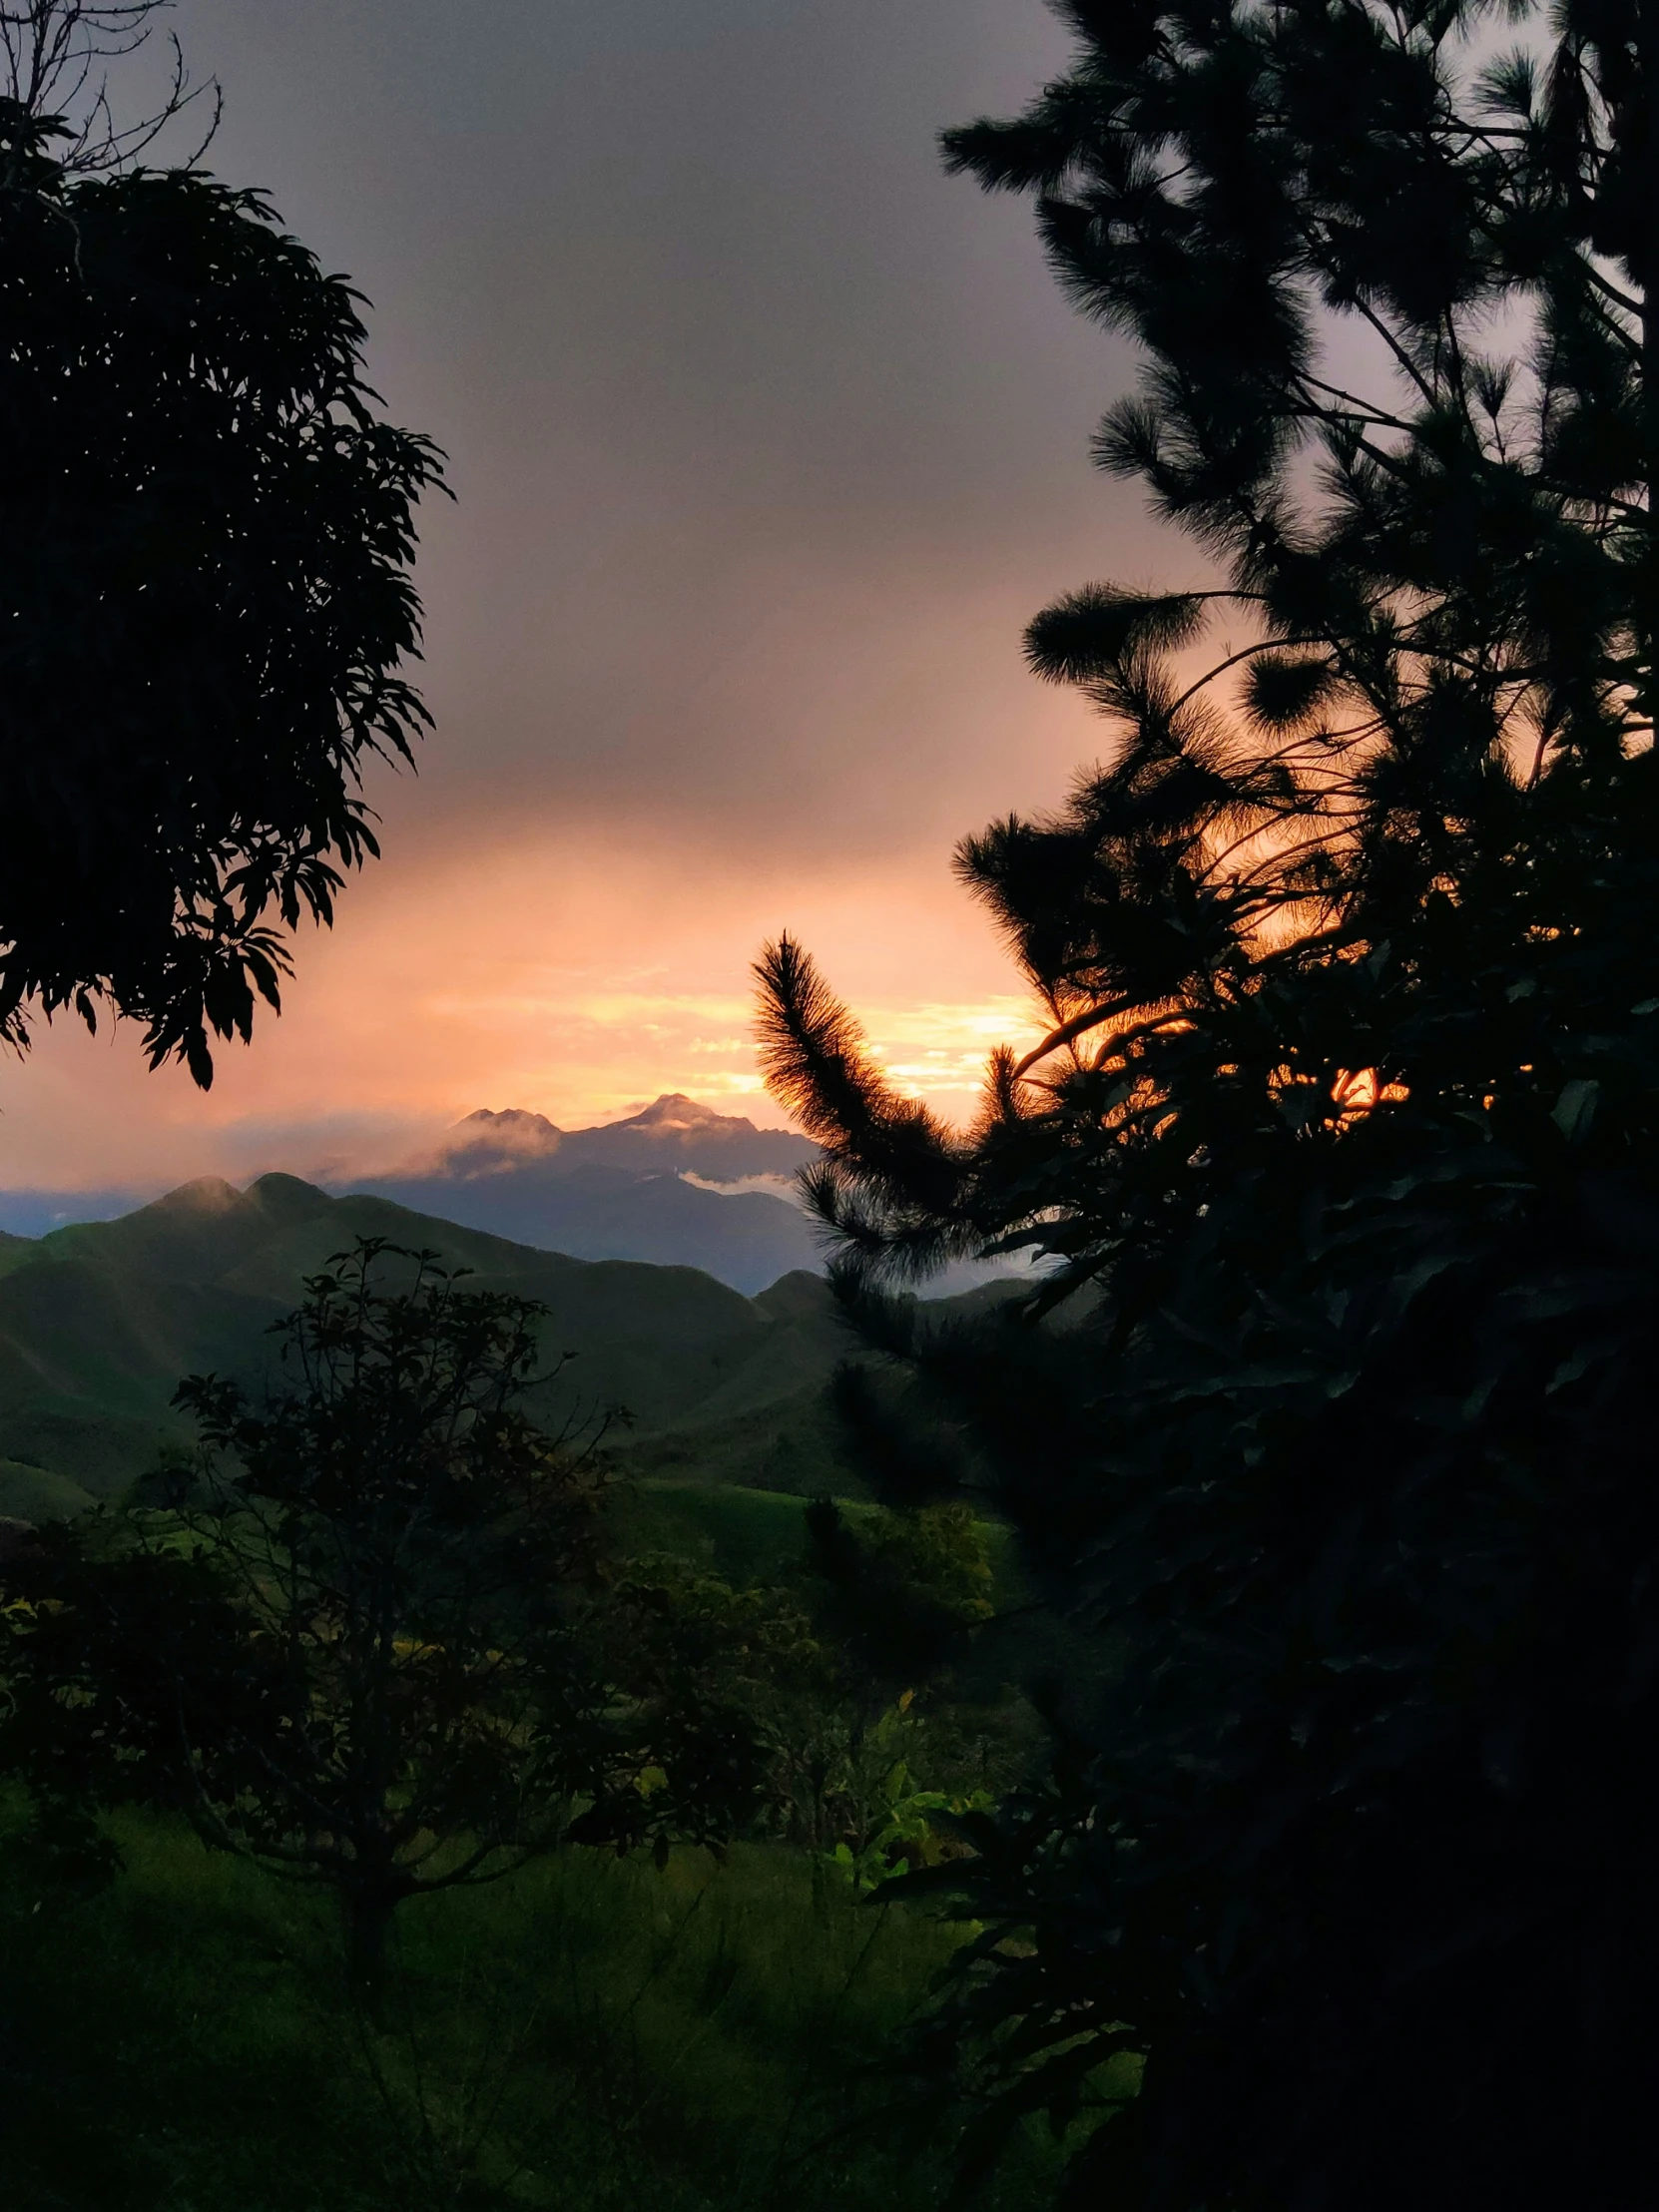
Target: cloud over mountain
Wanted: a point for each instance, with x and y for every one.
(672, 1136)
(622, 1190)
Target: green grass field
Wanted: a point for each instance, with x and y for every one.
(589, 2033)
(748, 1534)
(741, 1534)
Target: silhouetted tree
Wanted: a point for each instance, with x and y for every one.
(711, 1690)
(343, 1641)
(54, 63)
(898, 1596)
(205, 596)
(101, 1634)
(1335, 1401)
(401, 1544)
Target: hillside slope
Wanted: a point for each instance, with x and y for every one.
(99, 1320)
(745, 1241)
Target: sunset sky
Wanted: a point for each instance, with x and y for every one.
(766, 438)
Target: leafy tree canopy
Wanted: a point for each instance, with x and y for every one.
(1340, 1151)
(342, 1640)
(206, 599)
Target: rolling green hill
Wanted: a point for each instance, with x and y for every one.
(99, 1320)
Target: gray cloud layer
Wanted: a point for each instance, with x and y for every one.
(766, 435)
(768, 438)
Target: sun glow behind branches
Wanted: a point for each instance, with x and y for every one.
(571, 982)
(612, 1039)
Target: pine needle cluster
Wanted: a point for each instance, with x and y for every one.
(1334, 1396)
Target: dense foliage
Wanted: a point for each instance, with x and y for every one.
(815, 1705)
(206, 595)
(1334, 1403)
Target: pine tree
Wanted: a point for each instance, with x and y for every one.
(1336, 1397)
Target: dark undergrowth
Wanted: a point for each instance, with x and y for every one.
(592, 2032)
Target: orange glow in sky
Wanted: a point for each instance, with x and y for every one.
(767, 439)
(576, 984)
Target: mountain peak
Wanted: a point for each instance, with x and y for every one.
(488, 1141)
(674, 1110)
(511, 1121)
(288, 1197)
(677, 1182)
(204, 1194)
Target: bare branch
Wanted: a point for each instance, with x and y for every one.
(54, 57)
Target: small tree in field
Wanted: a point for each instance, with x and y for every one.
(1333, 1406)
(397, 1542)
(369, 1636)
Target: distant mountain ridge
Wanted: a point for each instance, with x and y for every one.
(675, 1185)
(617, 1190)
(672, 1135)
(99, 1320)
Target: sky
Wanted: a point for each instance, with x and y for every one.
(766, 438)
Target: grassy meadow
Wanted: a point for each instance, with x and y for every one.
(591, 2033)
(592, 2030)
